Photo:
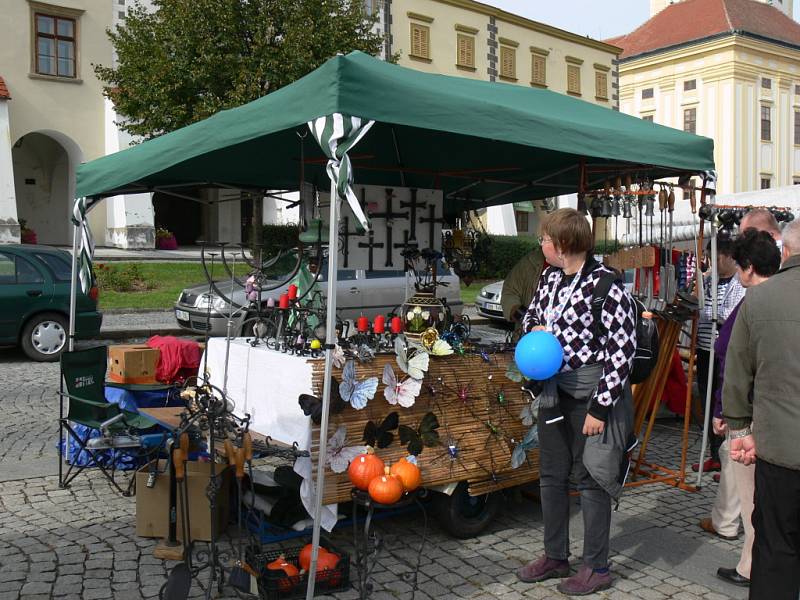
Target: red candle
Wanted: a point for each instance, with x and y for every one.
(362, 324)
(396, 326)
(292, 292)
(284, 301)
(379, 326)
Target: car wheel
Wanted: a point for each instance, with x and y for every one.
(464, 516)
(44, 337)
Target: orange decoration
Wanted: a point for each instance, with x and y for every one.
(408, 473)
(285, 583)
(364, 468)
(304, 559)
(386, 489)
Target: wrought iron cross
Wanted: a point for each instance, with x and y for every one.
(413, 205)
(344, 235)
(389, 215)
(431, 220)
(407, 243)
(371, 244)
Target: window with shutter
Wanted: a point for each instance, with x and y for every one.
(601, 85)
(420, 41)
(466, 51)
(508, 62)
(573, 79)
(538, 69)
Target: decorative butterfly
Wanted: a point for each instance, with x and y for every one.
(441, 348)
(411, 360)
(529, 442)
(380, 436)
(424, 435)
(357, 393)
(513, 373)
(312, 406)
(364, 353)
(339, 357)
(530, 411)
(338, 456)
(403, 392)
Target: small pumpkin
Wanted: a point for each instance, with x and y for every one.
(304, 558)
(386, 489)
(408, 472)
(285, 581)
(326, 568)
(364, 468)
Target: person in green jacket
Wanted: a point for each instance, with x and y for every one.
(761, 405)
(520, 285)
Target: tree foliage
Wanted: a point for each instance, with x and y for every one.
(188, 59)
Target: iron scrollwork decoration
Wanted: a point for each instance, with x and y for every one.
(466, 248)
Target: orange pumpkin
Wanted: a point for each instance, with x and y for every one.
(326, 568)
(408, 472)
(386, 489)
(304, 558)
(364, 468)
(285, 581)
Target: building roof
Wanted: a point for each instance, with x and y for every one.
(691, 21)
(4, 95)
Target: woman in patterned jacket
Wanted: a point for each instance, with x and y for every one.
(586, 404)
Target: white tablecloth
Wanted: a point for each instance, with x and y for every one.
(266, 384)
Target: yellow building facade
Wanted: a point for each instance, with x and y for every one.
(740, 87)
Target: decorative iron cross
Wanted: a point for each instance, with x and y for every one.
(413, 205)
(432, 220)
(407, 244)
(344, 235)
(371, 244)
(389, 215)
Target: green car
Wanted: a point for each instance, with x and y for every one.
(34, 301)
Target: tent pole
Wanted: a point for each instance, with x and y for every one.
(330, 341)
(73, 286)
(714, 312)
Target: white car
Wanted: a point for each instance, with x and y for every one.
(359, 293)
(487, 302)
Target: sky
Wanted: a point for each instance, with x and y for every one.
(599, 19)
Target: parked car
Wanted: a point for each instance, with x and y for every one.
(34, 301)
(487, 302)
(359, 293)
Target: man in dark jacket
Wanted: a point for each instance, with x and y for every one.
(762, 359)
(520, 285)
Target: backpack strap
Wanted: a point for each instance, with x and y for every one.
(599, 294)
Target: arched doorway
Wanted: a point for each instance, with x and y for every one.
(44, 179)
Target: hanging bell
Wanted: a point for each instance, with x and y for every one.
(627, 203)
(615, 205)
(706, 212)
(650, 205)
(726, 218)
(605, 207)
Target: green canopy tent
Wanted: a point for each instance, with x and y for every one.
(482, 143)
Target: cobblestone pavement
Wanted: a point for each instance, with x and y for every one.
(81, 542)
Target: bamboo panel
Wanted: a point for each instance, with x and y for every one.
(484, 458)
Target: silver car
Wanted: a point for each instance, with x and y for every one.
(487, 301)
(359, 293)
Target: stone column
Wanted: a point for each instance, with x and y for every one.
(9, 225)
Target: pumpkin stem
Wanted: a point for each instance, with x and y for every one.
(386, 471)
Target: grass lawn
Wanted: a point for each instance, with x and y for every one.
(168, 278)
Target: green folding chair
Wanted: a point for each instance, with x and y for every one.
(83, 372)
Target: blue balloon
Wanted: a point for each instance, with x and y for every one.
(539, 355)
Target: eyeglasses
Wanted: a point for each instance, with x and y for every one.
(542, 239)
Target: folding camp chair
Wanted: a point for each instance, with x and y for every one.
(83, 372)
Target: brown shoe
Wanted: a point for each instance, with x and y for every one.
(543, 568)
(585, 582)
(707, 526)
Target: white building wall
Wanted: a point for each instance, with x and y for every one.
(9, 223)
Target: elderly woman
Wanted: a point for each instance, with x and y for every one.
(586, 405)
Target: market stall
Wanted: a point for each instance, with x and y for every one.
(480, 143)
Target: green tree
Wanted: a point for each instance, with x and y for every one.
(188, 59)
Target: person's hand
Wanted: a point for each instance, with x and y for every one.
(539, 328)
(719, 426)
(592, 426)
(743, 450)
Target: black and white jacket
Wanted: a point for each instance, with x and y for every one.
(574, 328)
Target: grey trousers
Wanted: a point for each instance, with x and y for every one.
(561, 454)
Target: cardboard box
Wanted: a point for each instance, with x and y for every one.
(152, 504)
(132, 364)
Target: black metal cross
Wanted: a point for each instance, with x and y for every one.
(371, 244)
(407, 244)
(389, 215)
(344, 235)
(432, 220)
(413, 205)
